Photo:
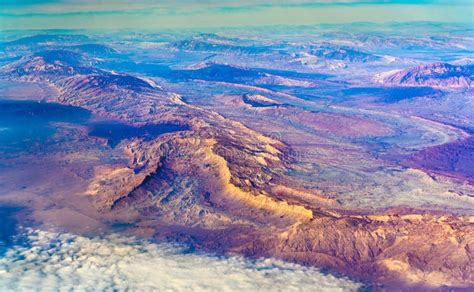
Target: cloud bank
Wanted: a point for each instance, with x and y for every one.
(53, 261)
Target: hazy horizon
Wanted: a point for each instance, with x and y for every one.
(147, 14)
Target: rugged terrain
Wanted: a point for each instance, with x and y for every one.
(257, 174)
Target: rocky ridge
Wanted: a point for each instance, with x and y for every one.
(223, 187)
(438, 75)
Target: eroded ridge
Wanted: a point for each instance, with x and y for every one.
(221, 186)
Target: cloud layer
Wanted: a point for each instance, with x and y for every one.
(54, 261)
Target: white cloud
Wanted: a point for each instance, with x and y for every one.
(53, 261)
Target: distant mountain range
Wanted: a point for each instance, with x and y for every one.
(215, 43)
(48, 38)
(55, 42)
(48, 64)
(343, 54)
(437, 75)
(96, 50)
(54, 65)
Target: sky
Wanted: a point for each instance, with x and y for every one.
(155, 14)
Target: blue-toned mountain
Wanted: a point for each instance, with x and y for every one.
(438, 75)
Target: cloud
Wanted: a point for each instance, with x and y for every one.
(56, 261)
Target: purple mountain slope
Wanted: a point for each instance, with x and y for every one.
(439, 75)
